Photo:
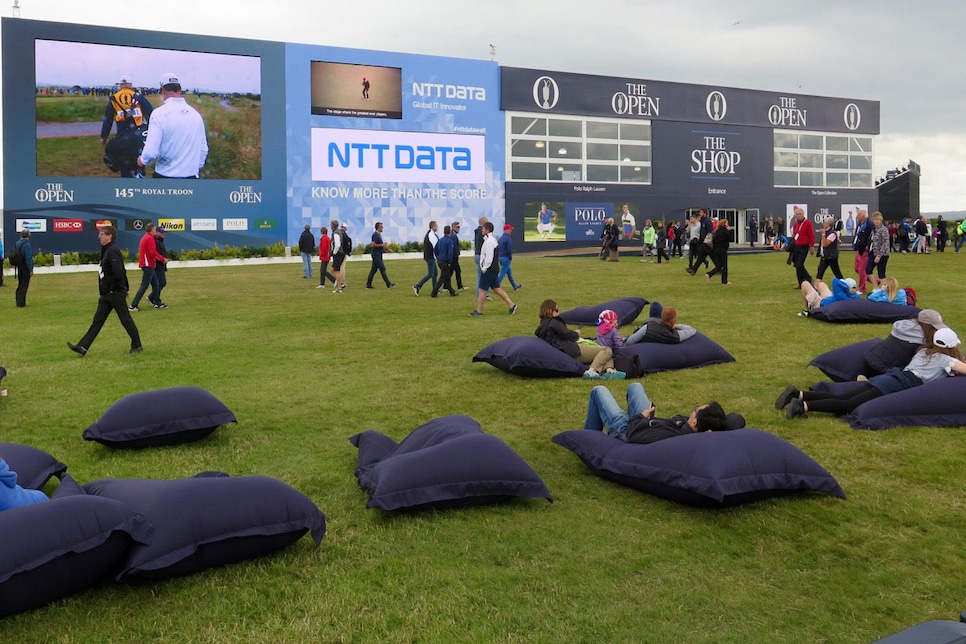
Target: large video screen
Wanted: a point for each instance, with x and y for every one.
(345, 89)
(75, 82)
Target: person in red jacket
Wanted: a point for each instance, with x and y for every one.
(148, 256)
(803, 238)
(325, 254)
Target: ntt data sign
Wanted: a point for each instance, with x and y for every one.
(403, 157)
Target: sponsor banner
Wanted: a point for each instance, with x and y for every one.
(265, 224)
(136, 224)
(234, 224)
(100, 223)
(585, 221)
(176, 225)
(33, 225)
(68, 225)
(398, 157)
(204, 224)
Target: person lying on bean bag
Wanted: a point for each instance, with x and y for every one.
(906, 338)
(819, 295)
(11, 494)
(661, 327)
(639, 424)
(553, 330)
(933, 362)
(889, 292)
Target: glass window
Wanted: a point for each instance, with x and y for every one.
(860, 144)
(635, 131)
(859, 162)
(528, 125)
(837, 143)
(566, 150)
(522, 148)
(812, 179)
(786, 159)
(786, 140)
(837, 179)
(602, 173)
(786, 178)
(565, 172)
(640, 153)
(837, 161)
(811, 142)
(602, 151)
(601, 130)
(811, 160)
(635, 174)
(560, 127)
(860, 180)
(529, 171)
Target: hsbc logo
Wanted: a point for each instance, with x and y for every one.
(852, 116)
(546, 93)
(68, 226)
(716, 105)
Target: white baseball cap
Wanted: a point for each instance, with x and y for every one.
(169, 78)
(945, 338)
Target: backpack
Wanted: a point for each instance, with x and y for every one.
(346, 242)
(16, 258)
(911, 298)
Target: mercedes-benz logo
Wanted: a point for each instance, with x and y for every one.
(853, 116)
(546, 93)
(138, 224)
(716, 105)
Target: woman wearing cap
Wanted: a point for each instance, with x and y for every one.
(938, 360)
(906, 338)
(553, 331)
(828, 249)
(815, 297)
(878, 249)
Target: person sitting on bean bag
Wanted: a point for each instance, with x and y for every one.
(661, 327)
(933, 362)
(11, 494)
(553, 330)
(639, 423)
(889, 292)
(906, 338)
(607, 335)
(819, 295)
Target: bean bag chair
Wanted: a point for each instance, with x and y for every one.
(707, 469)
(626, 308)
(447, 462)
(863, 310)
(161, 417)
(935, 404)
(34, 467)
(59, 547)
(932, 632)
(202, 522)
(697, 351)
(848, 362)
(530, 356)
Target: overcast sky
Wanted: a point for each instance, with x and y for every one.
(910, 56)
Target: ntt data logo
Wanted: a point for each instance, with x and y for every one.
(853, 116)
(405, 157)
(546, 93)
(716, 105)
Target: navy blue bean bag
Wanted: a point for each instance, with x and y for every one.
(626, 308)
(161, 417)
(59, 547)
(697, 351)
(527, 355)
(863, 310)
(708, 469)
(34, 467)
(939, 403)
(848, 362)
(447, 462)
(208, 521)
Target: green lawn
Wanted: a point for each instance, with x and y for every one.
(303, 369)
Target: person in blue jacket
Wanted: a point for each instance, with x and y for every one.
(820, 295)
(11, 494)
(505, 245)
(26, 271)
(445, 250)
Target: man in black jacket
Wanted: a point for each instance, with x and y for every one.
(639, 424)
(704, 242)
(306, 249)
(113, 287)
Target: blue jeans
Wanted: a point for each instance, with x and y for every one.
(604, 412)
(148, 277)
(431, 274)
(960, 241)
(507, 272)
(307, 264)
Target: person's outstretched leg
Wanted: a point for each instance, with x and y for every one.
(603, 412)
(637, 400)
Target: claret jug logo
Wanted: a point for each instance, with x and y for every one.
(546, 93)
(716, 105)
(853, 116)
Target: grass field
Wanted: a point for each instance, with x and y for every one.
(303, 369)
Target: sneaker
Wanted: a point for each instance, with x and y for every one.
(518, 287)
(393, 285)
(462, 288)
(136, 350)
(804, 313)
(795, 408)
(370, 286)
(320, 286)
(342, 285)
(415, 290)
(490, 299)
(160, 305)
(453, 293)
(133, 308)
(790, 393)
(615, 375)
(338, 290)
(78, 349)
(590, 374)
(513, 309)
(476, 314)
(691, 271)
